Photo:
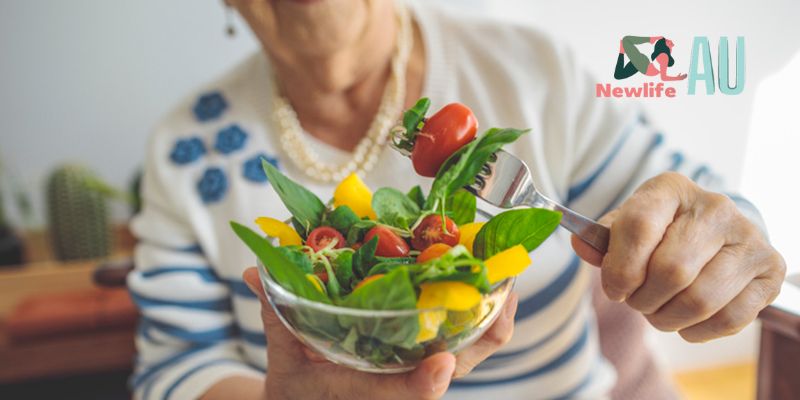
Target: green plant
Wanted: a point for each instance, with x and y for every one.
(78, 213)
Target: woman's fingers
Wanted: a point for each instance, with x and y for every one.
(584, 250)
(498, 335)
(691, 241)
(717, 284)
(742, 310)
(429, 380)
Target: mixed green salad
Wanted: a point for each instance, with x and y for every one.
(394, 250)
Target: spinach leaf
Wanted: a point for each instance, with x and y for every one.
(297, 257)
(306, 208)
(357, 231)
(413, 119)
(344, 270)
(364, 257)
(417, 196)
(393, 291)
(462, 206)
(287, 274)
(394, 208)
(461, 168)
(342, 218)
(528, 227)
(386, 264)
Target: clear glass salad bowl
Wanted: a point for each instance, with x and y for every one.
(382, 341)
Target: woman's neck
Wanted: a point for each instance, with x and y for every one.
(336, 96)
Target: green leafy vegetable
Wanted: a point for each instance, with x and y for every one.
(342, 218)
(528, 227)
(461, 168)
(392, 291)
(285, 273)
(456, 265)
(296, 257)
(462, 206)
(417, 196)
(394, 208)
(306, 208)
(413, 120)
(344, 270)
(364, 257)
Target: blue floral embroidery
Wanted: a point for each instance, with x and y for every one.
(187, 150)
(253, 170)
(209, 106)
(213, 185)
(230, 139)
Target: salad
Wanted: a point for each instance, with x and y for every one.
(392, 250)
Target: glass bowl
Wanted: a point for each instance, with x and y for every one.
(382, 341)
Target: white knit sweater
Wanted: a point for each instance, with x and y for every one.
(200, 323)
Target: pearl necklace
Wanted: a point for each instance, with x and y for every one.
(369, 148)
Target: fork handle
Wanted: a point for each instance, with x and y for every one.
(587, 229)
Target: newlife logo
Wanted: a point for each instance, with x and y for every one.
(633, 60)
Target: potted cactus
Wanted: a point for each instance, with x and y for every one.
(78, 212)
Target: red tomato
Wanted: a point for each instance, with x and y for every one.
(433, 251)
(322, 275)
(430, 231)
(322, 236)
(389, 244)
(443, 133)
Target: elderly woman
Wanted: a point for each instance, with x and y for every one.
(318, 102)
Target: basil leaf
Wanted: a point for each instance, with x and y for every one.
(342, 218)
(417, 196)
(528, 227)
(462, 206)
(388, 264)
(394, 208)
(285, 273)
(344, 270)
(461, 168)
(357, 231)
(306, 208)
(393, 291)
(364, 257)
(415, 115)
(297, 257)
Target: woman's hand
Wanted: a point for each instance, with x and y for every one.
(687, 259)
(296, 372)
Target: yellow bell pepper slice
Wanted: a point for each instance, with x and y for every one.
(507, 263)
(429, 323)
(286, 235)
(468, 233)
(457, 296)
(315, 281)
(354, 193)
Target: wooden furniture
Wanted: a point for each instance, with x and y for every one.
(779, 357)
(95, 351)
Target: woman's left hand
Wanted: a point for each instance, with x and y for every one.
(687, 259)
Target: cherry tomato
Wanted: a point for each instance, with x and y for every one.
(443, 133)
(433, 251)
(389, 244)
(367, 280)
(322, 275)
(430, 231)
(323, 236)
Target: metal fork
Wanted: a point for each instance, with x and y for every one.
(505, 182)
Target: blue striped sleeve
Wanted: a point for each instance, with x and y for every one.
(188, 338)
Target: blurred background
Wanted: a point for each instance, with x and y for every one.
(82, 83)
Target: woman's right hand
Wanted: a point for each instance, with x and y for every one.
(296, 372)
